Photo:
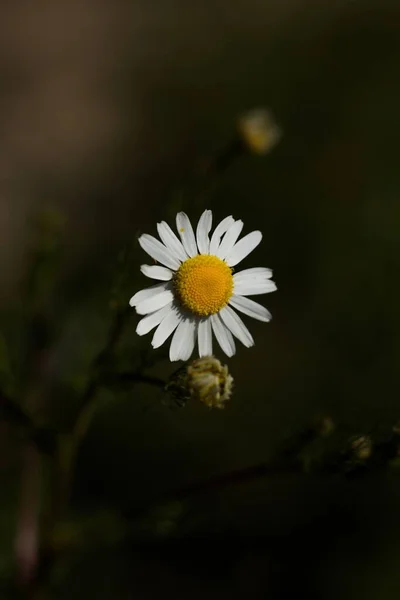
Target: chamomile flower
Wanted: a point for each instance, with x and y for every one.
(200, 294)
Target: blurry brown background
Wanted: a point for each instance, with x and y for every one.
(106, 107)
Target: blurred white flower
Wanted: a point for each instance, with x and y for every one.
(259, 130)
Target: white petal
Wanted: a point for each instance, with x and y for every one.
(229, 240)
(182, 344)
(202, 231)
(151, 304)
(205, 337)
(223, 335)
(148, 293)
(190, 339)
(171, 241)
(156, 272)
(253, 288)
(158, 251)
(253, 273)
(243, 248)
(236, 326)
(219, 232)
(152, 320)
(250, 308)
(185, 230)
(166, 327)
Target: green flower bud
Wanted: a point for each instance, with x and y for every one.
(204, 379)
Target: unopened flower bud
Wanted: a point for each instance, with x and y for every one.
(209, 381)
(204, 379)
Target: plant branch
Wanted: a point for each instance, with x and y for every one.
(344, 461)
(132, 377)
(12, 411)
(102, 359)
(69, 446)
(237, 477)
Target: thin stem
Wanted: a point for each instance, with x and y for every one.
(12, 411)
(135, 377)
(237, 477)
(101, 360)
(344, 462)
(87, 409)
(234, 150)
(68, 447)
(27, 535)
(200, 185)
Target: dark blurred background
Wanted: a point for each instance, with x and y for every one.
(108, 108)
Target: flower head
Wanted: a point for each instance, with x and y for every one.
(199, 289)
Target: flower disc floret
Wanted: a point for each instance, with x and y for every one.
(204, 284)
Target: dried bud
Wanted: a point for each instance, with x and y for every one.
(209, 381)
(203, 379)
(259, 131)
(361, 447)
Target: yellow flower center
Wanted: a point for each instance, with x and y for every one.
(204, 284)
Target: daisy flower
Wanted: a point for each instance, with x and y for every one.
(200, 294)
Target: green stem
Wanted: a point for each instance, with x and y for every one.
(12, 411)
(129, 378)
(70, 446)
(102, 359)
